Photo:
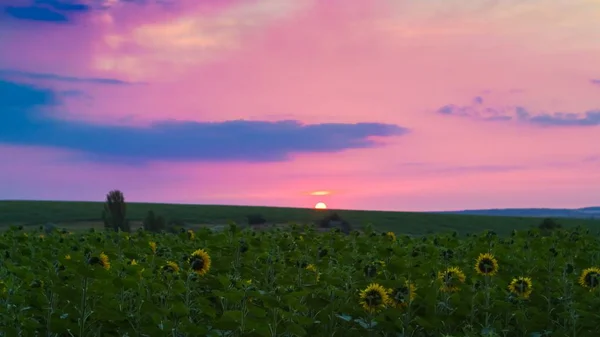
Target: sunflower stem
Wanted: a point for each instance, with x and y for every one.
(187, 293)
(487, 301)
(50, 312)
(83, 309)
(371, 330)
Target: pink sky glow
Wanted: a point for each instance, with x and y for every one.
(500, 100)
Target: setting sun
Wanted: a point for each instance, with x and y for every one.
(320, 205)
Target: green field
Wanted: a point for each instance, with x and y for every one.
(87, 214)
(298, 283)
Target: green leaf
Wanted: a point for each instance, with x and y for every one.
(346, 318)
(179, 309)
(296, 329)
(256, 311)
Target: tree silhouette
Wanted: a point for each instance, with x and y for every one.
(115, 211)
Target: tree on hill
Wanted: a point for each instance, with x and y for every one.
(334, 220)
(549, 224)
(256, 219)
(114, 213)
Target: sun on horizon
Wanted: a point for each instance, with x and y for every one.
(320, 205)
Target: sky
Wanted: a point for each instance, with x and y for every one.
(407, 105)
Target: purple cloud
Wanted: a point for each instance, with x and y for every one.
(8, 73)
(521, 114)
(22, 123)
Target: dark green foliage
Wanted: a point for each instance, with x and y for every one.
(70, 214)
(153, 223)
(176, 226)
(334, 220)
(256, 219)
(115, 210)
(549, 224)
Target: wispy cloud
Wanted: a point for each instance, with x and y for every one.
(589, 118)
(595, 81)
(592, 159)
(478, 168)
(23, 123)
(477, 110)
(10, 73)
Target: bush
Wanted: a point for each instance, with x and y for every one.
(153, 223)
(335, 220)
(549, 224)
(256, 219)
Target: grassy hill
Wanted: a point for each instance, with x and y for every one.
(87, 214)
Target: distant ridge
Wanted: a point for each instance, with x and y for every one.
(580, 213)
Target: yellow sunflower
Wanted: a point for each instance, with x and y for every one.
(590, 278)
(486, 264)
(104, 261)
(402, 296)
(200, 262)
(451, 279)
(67, 257)
(391, 236)
(190, 234)
(521, 286)
(373, 298)
(311, 267)
(133, 262)
(171, 267)
(152, 245)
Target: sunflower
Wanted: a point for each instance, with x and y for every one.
(486, 264)
(451, 279)
(590, 278)
(373, 298)
(311, 267)
(391, 236)
(521, 286)
(133, 262)
(200, 262)
(401, 296)
(104, 261)
(190, 234)
(152, 246)
(171, 267)
(67, 257)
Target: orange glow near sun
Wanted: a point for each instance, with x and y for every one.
(321, 205)
(320, 193)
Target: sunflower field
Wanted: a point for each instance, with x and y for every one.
(298, 282)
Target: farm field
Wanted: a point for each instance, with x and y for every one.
(298, 282)
(83, 215)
